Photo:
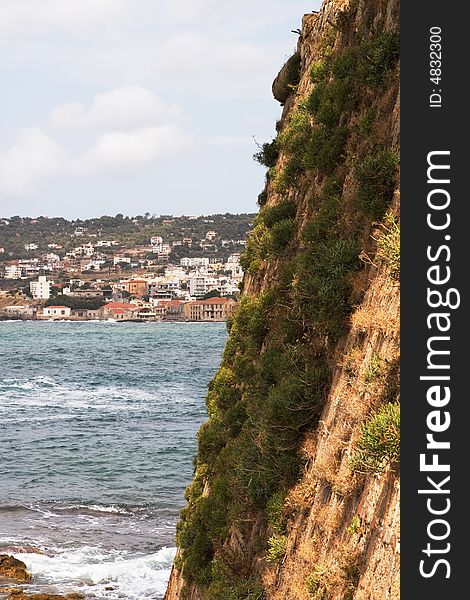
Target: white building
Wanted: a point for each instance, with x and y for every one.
(200, 284)
(51, 258)
(31, 247)
(122, 259)
(40, 289)
(19, 311)
(197, 286)
(156, 240)
(194, 262)
(234, 258)
(92, 265)
(85, 250)
(106, 243)
(13, 272)
(211, 235)
(56, 311)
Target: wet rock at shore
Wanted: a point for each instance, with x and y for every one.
(12, 568)
(21, 595)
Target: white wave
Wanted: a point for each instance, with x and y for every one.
(127, 577)
(44, 392)
(97, 508)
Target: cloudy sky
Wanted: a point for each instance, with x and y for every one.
(138, 106)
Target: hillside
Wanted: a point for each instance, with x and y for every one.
(296, 487)
(17, 232)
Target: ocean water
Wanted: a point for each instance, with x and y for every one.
(98, 425)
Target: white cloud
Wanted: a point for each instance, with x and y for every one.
(37, 159)
(125, 108)
(39, 16)
(34, 158)
(199, 54)
(120, 152)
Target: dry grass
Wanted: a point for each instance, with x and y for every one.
(301, 496)
(375, 317)
(352, 362)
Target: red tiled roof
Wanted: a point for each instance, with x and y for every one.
(113, 305)
(134, 281)
(56, 307)
(118, 311)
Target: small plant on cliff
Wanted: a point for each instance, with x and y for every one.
(314, 582)
(275, 512)
(227, 584)
(263, 197)
(293, 71)
(379, 443)
(376, 176)
(375, 368)
(268, 154)
(388, 246)
(366, 122)
(277, 545)
(379, 57)
(355, 526)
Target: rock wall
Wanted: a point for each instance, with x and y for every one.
(340, 538)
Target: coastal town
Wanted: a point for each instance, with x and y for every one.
(91, 277)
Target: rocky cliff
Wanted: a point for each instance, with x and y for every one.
(296, 487)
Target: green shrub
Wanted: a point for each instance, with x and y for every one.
(375, 369)
(273, 214)
(211, 439)
(323, 288)
(277, 520)
(355, 525)
(293, 71)
(346, 65)
(294, 138)
(257, 248)
(263, 197)
(325, 149)
(328, 102)
(379, 57)
(367, 121)
(319, 71)
(314, 582)
(228, 585)
(268, 154)
(199, 527)
(388, 246)
(287, 177)
(379, 443)
(277, 545)
(376, 181)
(281, 234)
(324, 223)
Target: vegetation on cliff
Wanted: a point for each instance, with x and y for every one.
(303, 258)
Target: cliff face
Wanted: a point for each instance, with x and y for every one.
(296, 488)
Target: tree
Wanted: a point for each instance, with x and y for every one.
(211, 294)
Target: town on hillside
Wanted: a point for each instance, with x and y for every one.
(90, 277)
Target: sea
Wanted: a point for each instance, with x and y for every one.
(98, 424)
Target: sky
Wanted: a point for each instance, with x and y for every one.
(135, 106)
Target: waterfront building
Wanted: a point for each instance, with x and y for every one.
(40, 289)
(57, 312)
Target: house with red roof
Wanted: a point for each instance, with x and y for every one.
(121, 311)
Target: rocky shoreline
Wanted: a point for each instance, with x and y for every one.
(13, 573)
